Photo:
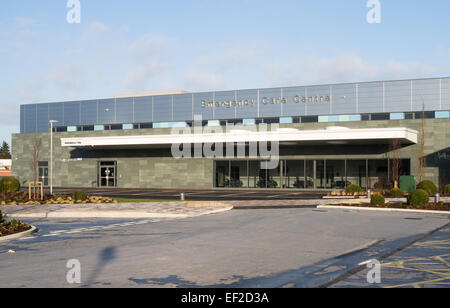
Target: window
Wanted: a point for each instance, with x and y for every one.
(285, 120)
(127, 126)
(442, 114)
(409, 116)
(99, 127)
(249, 121)
(272, 121)
(71, 128)
(145, 125)
(365, 117)
(117, 127)
(310, 119)
(61, 129)
(397, 116)
(380, 116)
(428, 115)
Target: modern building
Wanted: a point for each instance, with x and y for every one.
(327, 136)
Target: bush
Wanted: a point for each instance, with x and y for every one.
(80, 195)
(396, 192)
(447, 190)
(377, 199)
(418, 198)
(9, 184)
(353, 188)
(429, 187)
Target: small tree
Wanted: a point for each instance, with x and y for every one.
(395, 160)
(36, 153)
(422, 163)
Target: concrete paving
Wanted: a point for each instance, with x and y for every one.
(252, 248)
(121, 210)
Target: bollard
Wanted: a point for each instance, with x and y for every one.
(369, 194)
(182, 197)
(437, 198)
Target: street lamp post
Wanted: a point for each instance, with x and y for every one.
(51, 155)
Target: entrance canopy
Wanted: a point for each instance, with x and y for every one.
(285, 136)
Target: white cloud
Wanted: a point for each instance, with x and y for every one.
(94, 31)
(202, 81)
(150, 57)
(344, 67)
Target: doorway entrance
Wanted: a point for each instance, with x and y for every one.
(43, 173)
(107, 174)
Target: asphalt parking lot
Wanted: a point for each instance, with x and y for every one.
(253, 249)
(199, 195)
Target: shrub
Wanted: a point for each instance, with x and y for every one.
(353, 188)
(447, 190)
(429, 187)
(80, 195)
(396, 192)
(377, 199)
(9, 184)
(418, 198)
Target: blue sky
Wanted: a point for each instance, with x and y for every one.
(198, 45)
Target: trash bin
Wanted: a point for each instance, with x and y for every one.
(407, 183)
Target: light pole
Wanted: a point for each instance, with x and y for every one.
(51, 155)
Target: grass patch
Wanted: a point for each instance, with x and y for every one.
(125, 200)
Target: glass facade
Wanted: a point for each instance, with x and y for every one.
(384, 100)
(308, 174)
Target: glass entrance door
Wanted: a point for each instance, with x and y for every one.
(107, 174)
(43, 173)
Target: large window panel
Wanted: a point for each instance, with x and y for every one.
(294, 106)
(162, 108)
(317, 102)
(226, 102)
(202, 106)
(344, 99)
(182, 107)
(249, 109)
(370, 97)
(72, 113)
(335, 174)
(294, 174)
(30, 118)
(56, 113)
(357, 172)
(42, 118)
(270, 103)
(143, 109)
(125, 110)
(379, 177)
(106, 111)
(89, 112)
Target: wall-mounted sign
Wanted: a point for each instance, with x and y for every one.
(265, 101)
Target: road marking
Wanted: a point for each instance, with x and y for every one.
(91, 229)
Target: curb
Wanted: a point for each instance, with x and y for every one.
(18, 235)
(381, 209)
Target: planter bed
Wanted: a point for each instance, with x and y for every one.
(430, 207)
